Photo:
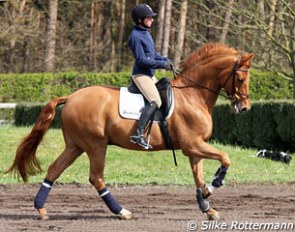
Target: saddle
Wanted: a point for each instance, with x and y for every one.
(132, 102)
(166, 94)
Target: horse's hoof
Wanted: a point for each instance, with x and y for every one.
(42, 214)
(125, 214)
(213, 215)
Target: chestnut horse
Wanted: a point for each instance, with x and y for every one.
(90, 121)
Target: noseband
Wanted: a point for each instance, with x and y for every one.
(233, 97)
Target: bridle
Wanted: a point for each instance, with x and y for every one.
(233, 96)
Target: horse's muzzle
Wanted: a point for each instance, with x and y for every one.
(244, 109)
(240, 107)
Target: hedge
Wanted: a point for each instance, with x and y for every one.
(269, 125)
(269, 86)
(43, 87)
(27, 115)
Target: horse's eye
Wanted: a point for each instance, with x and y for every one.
(241, 79)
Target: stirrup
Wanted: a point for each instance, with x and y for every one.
(140, 140)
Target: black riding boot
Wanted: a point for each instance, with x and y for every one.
(144, 119)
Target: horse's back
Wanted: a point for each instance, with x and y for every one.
(90, 98)
(96, 91)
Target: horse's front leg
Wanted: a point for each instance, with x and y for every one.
(204, 150)
(202, 191)
(201, 150)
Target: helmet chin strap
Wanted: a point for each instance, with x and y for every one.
(141, 22)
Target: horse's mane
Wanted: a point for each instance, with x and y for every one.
(207, 51)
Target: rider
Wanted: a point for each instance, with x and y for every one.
(146, 61)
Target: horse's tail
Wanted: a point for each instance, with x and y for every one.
(25, 162)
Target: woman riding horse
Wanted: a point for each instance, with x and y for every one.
(90, 121)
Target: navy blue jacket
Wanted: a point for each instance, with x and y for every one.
(146, 58)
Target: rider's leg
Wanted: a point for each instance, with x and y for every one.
(147, 87)
(145, 117)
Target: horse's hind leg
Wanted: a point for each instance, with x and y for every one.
(96, 178)
(67, 157)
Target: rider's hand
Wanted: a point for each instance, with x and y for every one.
(169, 66)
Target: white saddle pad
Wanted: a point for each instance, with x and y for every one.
(131, 105)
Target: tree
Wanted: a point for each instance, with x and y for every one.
(226, 23)
(160, 25)
(278, 46)
(273, 5)
(51, 36)
(210, 21)
(95, 24)
(181, 33)
(167, 24)
(13, 30)
(121, 33)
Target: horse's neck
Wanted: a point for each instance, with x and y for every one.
(195, 93)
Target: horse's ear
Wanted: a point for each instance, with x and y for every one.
(246, 57)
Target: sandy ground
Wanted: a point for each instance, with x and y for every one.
(76, 207)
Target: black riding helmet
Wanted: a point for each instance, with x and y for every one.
(141, 11)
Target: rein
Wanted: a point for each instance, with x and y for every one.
(232, 74)
(200, 84)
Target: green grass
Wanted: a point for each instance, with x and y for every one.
(134, 167)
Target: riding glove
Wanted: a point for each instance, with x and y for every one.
(169, 66)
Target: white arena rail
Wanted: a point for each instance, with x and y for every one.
(7, 105)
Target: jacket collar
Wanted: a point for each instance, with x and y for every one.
(139, 28)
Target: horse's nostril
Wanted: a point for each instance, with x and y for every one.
(244, 109)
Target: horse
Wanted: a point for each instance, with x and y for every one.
(90, 122)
